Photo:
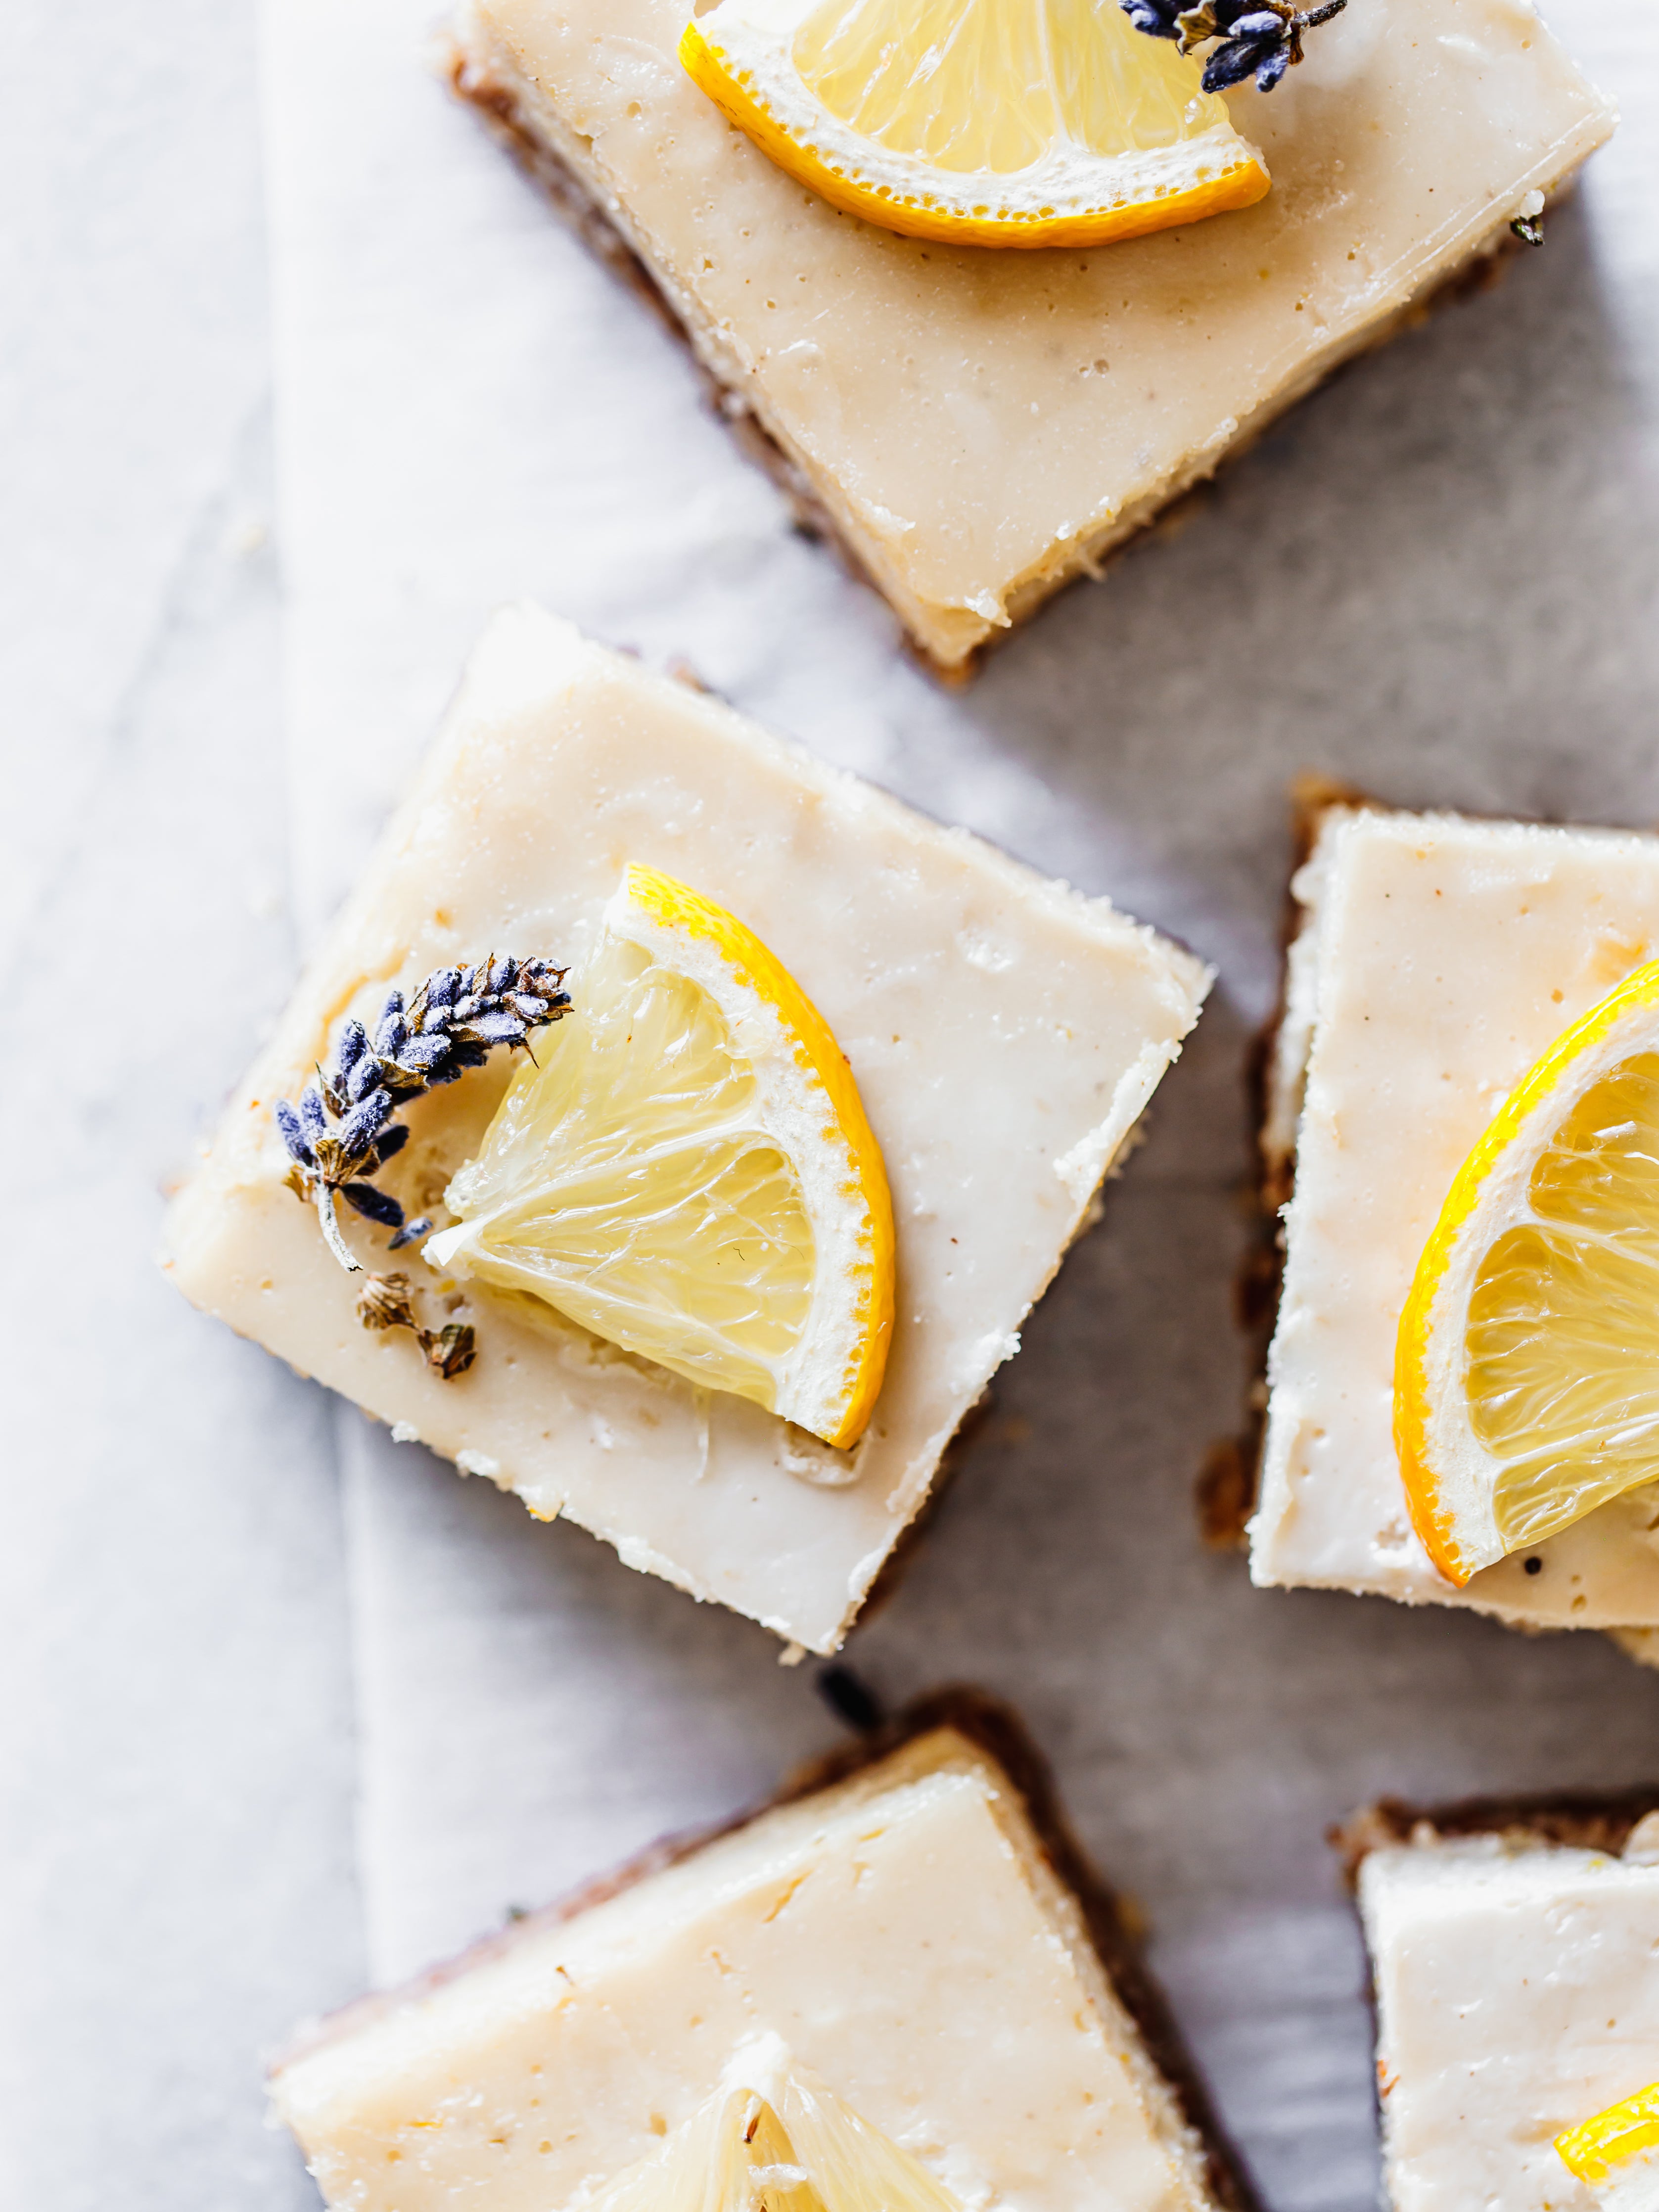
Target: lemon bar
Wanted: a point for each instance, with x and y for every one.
(914, 1948)
(1511, 1949)
(1435, 958)
(976, 426)
(1004, 1033)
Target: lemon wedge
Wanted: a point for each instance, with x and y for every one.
(773, 2139)
(978, 122)
(1612, 2153)
(1526, 1364)
(689, 1173)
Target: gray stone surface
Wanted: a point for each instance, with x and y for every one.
(176, 1880)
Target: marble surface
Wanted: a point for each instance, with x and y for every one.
(177, 1877)
(290, 1707)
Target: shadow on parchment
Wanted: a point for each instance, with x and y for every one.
(1436, 577)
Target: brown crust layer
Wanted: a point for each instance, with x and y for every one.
(997, 1731)
(1231, 1474)
(496, 101)
(1587, 1820)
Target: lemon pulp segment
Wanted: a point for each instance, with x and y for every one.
(987, 122)
(915, 79)
(1595, 2148)
(773, 2139)
(689, 1173)
(1564, 1322)
(1527, 1382)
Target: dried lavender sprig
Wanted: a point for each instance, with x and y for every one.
(388, 1302)
(342, 1132)
(1259, 36)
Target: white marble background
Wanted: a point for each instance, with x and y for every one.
(284, 1707)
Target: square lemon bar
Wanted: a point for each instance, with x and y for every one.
(897, 1977)
(1435, 959)
(1512, 1948)
(1004, 1033)
(976, 425)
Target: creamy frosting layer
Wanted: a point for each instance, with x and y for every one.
(903, 1933)
(1004, 1033)
(979, 424)
(1437, 959)
(1517, 1995)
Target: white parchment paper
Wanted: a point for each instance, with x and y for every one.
(1438, 578)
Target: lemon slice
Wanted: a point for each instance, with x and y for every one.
(773, 2139)
(979, 122)
(689, 1174)
(1613, 2153)
(1527, 1365)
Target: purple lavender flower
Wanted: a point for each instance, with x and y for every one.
(1262, 38)
(343, 1131)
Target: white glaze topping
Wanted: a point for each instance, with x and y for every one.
(1003, 1031)
(1517, 1991)
(1438, 957)
(981, 424)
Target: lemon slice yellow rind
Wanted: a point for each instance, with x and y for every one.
(1158, 190)
(1448, 1488)
(843, 1356)
(690, 1174)
(1599, 2146)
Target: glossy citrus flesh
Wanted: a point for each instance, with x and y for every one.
(1526, 1374)
(982, 122)
(1596, 2149)
(787, 2144)
(689, 1172)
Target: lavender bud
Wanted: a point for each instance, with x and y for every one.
(353, 1043)
(365, 1122)
(294, 1135)
(374, 1205)
(466, 1009)
(422, 1054)
(441, 988)
(392, 1029)
(313, 1114)
(498, 1028)
(383, 1303)
(1232, 64)
(1155, 17)
(363, 1077)
(410, 1233)
(453, 1350)
(499, 977)
(1260, 23)
(390, 1142)
(533, 1009)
